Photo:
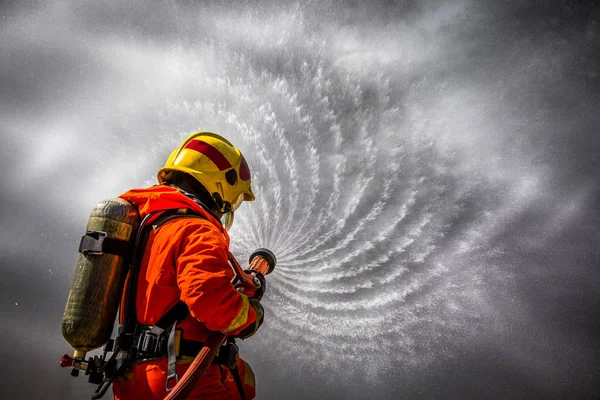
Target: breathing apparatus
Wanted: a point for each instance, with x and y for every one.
(112, 247)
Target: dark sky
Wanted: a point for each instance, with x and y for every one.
(426, 172)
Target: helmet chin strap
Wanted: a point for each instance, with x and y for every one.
(225, 209)
(222, 206)
(227, 220)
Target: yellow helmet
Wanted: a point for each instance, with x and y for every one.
(214, 162)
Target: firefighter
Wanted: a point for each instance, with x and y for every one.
(185, 260)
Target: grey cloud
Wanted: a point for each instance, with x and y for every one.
(482, 118)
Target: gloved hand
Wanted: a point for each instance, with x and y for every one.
(251, 291)
(260, 316)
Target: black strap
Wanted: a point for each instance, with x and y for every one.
(129, 327)
(97, 243)
(190, 348)
(178, 313)
(238, 381)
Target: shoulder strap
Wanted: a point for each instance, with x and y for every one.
(168, 215)
(177, 313)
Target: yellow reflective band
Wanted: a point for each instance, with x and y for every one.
(242, 316)
(249, 378)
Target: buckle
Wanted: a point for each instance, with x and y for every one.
(92, 243)
(170, 378)
(149, 343)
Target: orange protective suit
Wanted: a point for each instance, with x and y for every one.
(186, 259)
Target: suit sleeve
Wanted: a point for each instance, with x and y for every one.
(204, 278)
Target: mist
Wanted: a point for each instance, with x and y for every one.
(426, 172)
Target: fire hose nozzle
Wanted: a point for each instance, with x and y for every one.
(268, 256)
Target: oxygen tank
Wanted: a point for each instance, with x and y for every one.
(97, 287)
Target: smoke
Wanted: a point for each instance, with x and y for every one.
(426, 174)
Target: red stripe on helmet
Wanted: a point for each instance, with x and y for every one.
(244, 170)
(209, 151)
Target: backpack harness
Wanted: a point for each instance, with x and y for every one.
(136, 342)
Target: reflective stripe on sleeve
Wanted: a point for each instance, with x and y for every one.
(249, 378)
(242, 316)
